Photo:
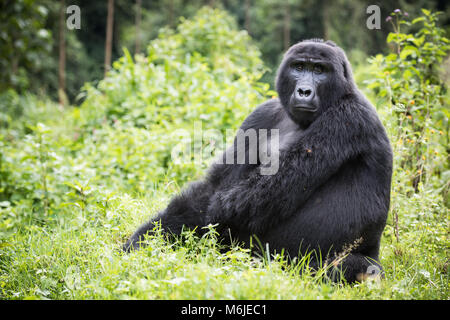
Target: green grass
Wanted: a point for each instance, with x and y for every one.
(79, 257)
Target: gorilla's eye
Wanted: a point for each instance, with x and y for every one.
(318, 69)
(300, 67)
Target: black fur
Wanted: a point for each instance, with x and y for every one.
(333, 183)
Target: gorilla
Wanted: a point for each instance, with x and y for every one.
(332, 187)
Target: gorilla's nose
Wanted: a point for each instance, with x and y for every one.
(305, 92)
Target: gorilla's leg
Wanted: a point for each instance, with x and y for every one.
(185, 210)
(356, 267)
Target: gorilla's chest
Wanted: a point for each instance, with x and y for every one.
(289, 133)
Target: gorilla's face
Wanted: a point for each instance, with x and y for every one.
(308, 74)
(311, 78)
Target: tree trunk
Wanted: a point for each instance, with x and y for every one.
(109, 35)
(247, 16)
(62, 55)
(287, 26)
(326, 20)
(171, 13)
(138, 26)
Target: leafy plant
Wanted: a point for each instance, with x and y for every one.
(24, 39)
(408, 81)
(204, 71)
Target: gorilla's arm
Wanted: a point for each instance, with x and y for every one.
(338, 135)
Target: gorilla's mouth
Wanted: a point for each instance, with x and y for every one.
(304, 108)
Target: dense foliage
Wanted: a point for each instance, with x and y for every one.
(74, 183)
(408, 82)
(24, 40)
(30, 30)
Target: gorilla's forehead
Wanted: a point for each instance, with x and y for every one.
(312, 50)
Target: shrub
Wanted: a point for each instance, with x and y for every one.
(408, 81)
(205, 71)
(413, 99)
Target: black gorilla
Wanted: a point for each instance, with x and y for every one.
(332, 187)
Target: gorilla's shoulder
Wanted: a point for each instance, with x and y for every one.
(370, 111)
(368, 118)
(269, 111)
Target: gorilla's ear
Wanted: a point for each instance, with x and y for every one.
(345, 64)
(346, 67)
(347, 72)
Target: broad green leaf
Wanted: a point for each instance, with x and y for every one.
(407, 51)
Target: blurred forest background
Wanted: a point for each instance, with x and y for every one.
(90, 117)
(31, 34)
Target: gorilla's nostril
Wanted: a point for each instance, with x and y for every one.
(304, 92)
